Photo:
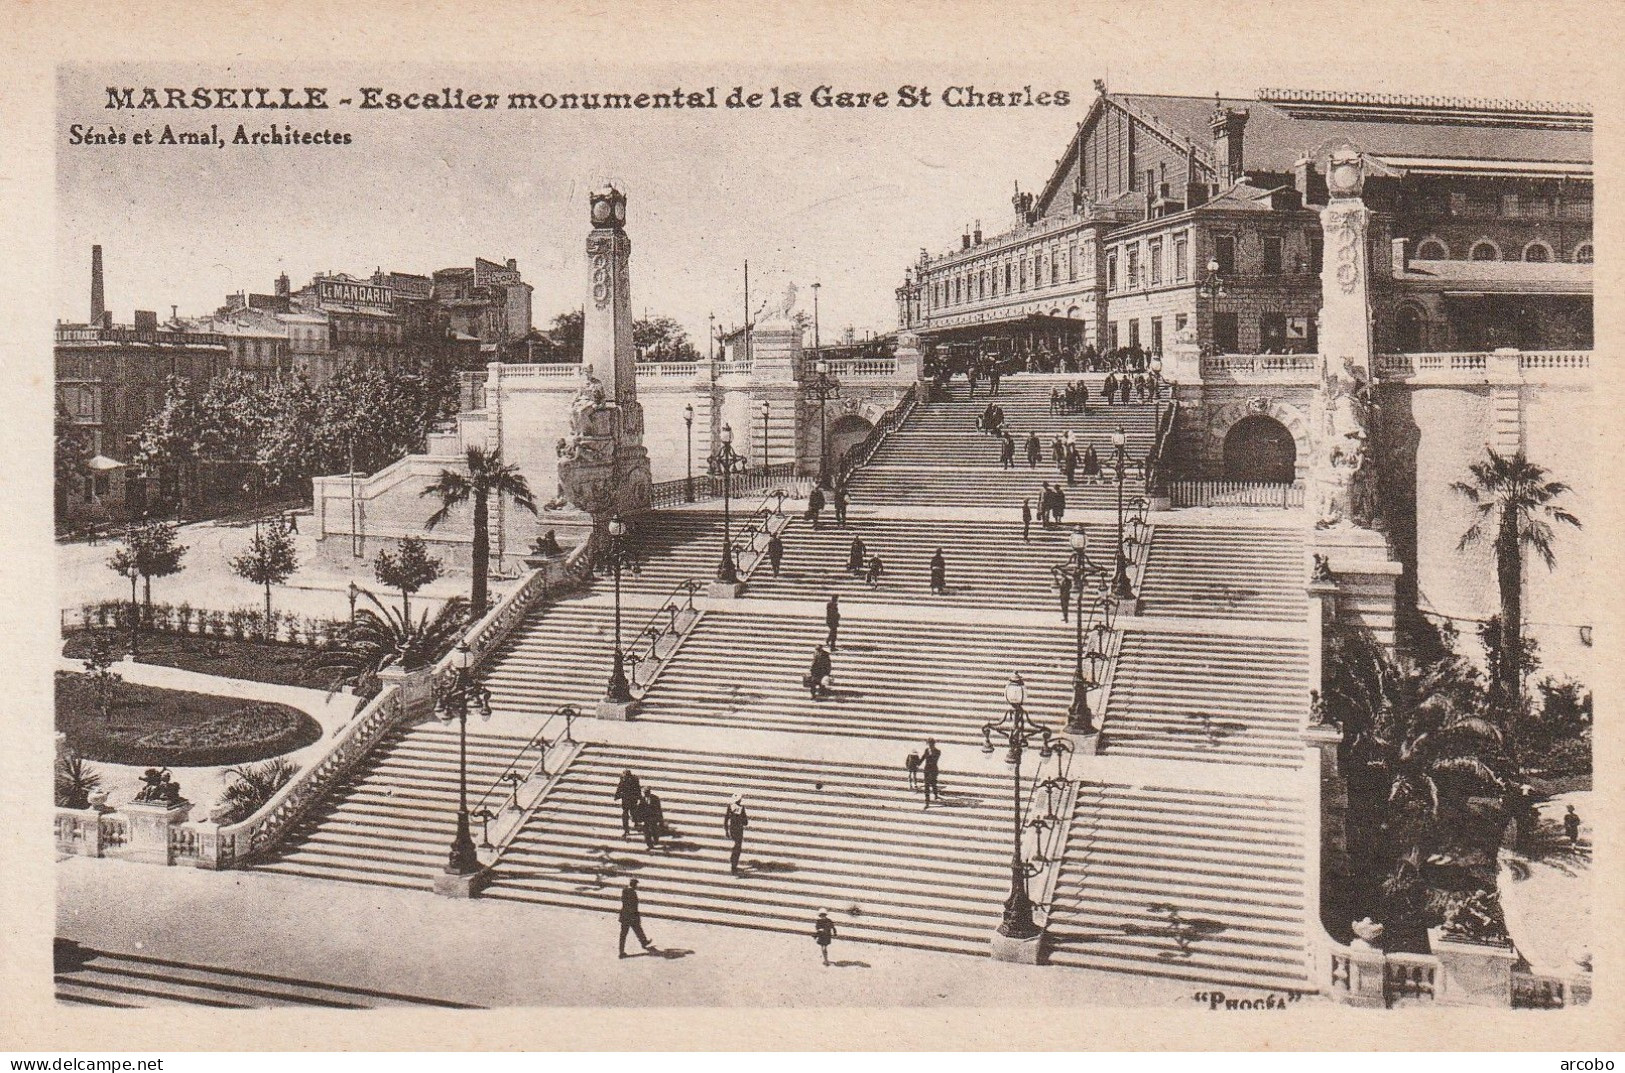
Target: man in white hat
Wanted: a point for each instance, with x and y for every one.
(734, 823)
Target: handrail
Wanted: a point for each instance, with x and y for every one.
(707, 486)
(1159, 444)
(1051, 797)
(541, 744)
(860, 453)
(671, 619)
(759, 524)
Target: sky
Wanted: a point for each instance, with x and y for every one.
(842, 197)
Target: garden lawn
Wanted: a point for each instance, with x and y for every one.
(148, 725)
(252, 661)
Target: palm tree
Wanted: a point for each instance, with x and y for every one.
(250, 786)
(384, 637)
(487, 476)
(75, 781)
(1512, 497)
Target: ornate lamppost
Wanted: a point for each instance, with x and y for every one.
(1212, 286)
(619, 691)
(815, 287)
(725, 463)
(1078, 570)
(453, 697)
(823, 387)
(1120, 583)
(1156, 393)
(1017, 731)
(688, 481)
(132, 570)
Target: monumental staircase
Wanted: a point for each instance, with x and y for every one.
(1180, 853)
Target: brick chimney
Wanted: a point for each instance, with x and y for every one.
(976, 235)
(98, 298)
(964, 240)
(283, 286)
(1228, 125)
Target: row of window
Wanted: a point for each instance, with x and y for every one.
(1042, 269)
(1435, 249)
(1507, 206)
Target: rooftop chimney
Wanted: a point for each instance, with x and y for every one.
(513, 265)
(98, 298)
(964, 240)
(977, 234)
(283, 286)
(1228, 126)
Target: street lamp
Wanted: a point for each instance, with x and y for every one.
(1156, 391)
(452, 699)
(1213, 286)
(619, 690)
(1078, 569)
(1120, 583)
(725, 463)
(823, 387)
(132, 570)
(1016, 732)
(766, 408)
(688, 482)
(815, 287)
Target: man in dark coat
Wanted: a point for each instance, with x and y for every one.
(993, 379)
(1071, 465)
(1126, 386)
(632, 916)
(939, 573)
(1035, 450)
(818, 674)
(855, 556)
(1066, 593)
(775, 552)
(1571, 825)
(734, 822)
(832, 619)
(1091, 463)
(841, 501)
(1027, 518)
(654, 819)
(815, 505)
(1111, 388)
(1083, 397)
(929, 761)
(1057, 448)
(877, 569)
(1058, 511)
(1007, 450)
(629, 792)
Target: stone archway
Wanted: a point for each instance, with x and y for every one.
(844, 432)
(1259, 448)
(1225, 417)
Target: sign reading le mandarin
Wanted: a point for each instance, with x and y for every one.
(348, 291)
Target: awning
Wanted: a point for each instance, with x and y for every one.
(1488, 168)
(1039, 322)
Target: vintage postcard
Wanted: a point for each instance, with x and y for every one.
(724, 511)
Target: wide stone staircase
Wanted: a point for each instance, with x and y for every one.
(89, 977)
(849, 838)
(1195, 884)
(1228, 572)
(939, 459)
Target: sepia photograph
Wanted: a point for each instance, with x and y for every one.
(1086, 534)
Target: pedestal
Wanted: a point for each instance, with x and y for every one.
(1085, 744)
(1365, 577)
(416, 689)
(620, 711)
(451, 885)
(150, 824)
(1472, 974)
(724, 590)
(1018, 951)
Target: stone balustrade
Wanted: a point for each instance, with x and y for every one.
(1445, 367)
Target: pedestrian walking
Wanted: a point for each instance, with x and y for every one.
(842, 499)
(1571, 825)
(1125, 387)
(1027, 520)
(1066, 593)
(855, 556)
(632, 916)
(1007, 451)
(1091, 463)
(820, 674)
(1058, 450)
(1046, 506)
(1083, 397)
(1054, 400)
(815, 505)
(1035, 450)
(877, 569)
(1071, 465)
(653, 814)
(1058, 512)
(912, 765)
(292, 522)
(775, 552)
(629, 792)
(1111, 388)
(993, 379)
(734, 822)
(929, 765)
(824, 933)
(939, 574)
(832, 619)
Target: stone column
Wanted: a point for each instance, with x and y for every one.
(1342, 469)
(604, 467)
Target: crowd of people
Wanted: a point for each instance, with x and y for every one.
(989, 363)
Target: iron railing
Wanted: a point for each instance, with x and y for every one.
(1236, 494)
(706, 486)
(859, 454)
(527, 763)
(666, 627)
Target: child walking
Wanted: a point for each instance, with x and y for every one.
(824, 933)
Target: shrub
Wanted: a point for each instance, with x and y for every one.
(87, 615)
(237, 621)
(183, 618)
(250, 786)
(75, 781)
(290, 626)
(217, 623)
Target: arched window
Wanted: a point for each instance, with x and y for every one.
(1485, 250)
(1537, 251)
(1410, 329)
(1582, 253)
(1432, 249)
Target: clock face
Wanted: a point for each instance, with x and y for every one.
(1347, 176)
(601, 212)
(620, 212)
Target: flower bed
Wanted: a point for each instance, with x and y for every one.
(252, 661)
(148, 726)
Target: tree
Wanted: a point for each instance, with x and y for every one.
(1513, 499)
(270, 560)
(568, 334)
(487, 476)
(662, 339)
(384, 637)
(124, 562)
(156, 552)
(250, 786)
(75, 781)
(409, 569)
(104, 681)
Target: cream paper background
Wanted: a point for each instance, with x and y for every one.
(1543, 50)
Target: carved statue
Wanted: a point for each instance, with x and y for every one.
(1344, 496)
(589, 399)
(159, 788)
(1322, 569)
(787, 304)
